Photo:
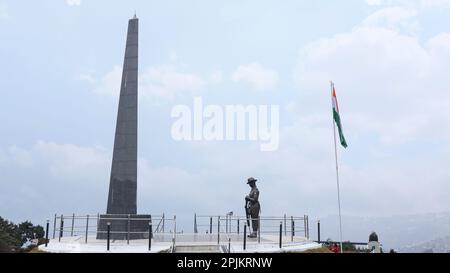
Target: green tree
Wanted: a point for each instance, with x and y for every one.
(28, 231)
(9, 237)
(13, 236)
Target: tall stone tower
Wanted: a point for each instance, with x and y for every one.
(123, 182)
(121, 213)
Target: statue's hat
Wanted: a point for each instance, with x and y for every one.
(251, 179)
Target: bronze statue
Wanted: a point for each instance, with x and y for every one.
(252, 207)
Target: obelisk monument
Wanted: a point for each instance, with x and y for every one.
(123, 181)
(121, 212)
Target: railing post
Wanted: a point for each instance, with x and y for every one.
(195, 223)
(151, 221)
(128, 230)
(229, 245)
(61, 228)
(73, 221)
(218, 230)
(157, 226)
(163, 220)
(210, 225)
(245, 237)
(285, 228)
(304, 226)
(173, 244)
(108, 233)
(281, 234)
(238, 225)
(87, 228)
(54, 227)
(174, 228)
(226, 223)
(46, 233)
(292, 228)
(318, 231)
(150, 235)
(307, 225)
(98, 219)
(259, 230)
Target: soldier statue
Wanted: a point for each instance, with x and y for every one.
(252, 207)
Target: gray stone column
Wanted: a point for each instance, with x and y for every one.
(123, 182)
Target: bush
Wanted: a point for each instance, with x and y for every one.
(12, 236)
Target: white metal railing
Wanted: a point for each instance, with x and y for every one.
(89, 225)
(223, 229)
(292, 225)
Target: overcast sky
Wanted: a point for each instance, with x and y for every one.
(60, 76)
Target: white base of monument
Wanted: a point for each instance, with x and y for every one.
(186, 243)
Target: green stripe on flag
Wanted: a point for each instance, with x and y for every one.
(337, 119)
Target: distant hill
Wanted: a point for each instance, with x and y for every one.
(397, 232)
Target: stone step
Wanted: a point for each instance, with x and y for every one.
(198, 249)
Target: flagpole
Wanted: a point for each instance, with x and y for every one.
(337, 173)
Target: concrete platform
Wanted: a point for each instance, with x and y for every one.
(184, 243)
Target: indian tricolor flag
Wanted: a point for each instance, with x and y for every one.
(337, 117)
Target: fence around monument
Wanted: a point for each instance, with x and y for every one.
(273, 230)
(291, 225)
(230, 232)
(163, 227)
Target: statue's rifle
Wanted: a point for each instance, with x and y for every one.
(247, 212)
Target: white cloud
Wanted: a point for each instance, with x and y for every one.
(171, 79)
(421, 4)
(393, 90)
(20, 156)
(164, 81)
(435, 3)
(87, 77)
(394, 18)
(391, 82)
(168, 81)
(85, 171)
(49, 177)
(259, 77)
(191, 190)
(110, 82)
(216, 77)
(73, 2)
(373, 2)
(69, 161)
